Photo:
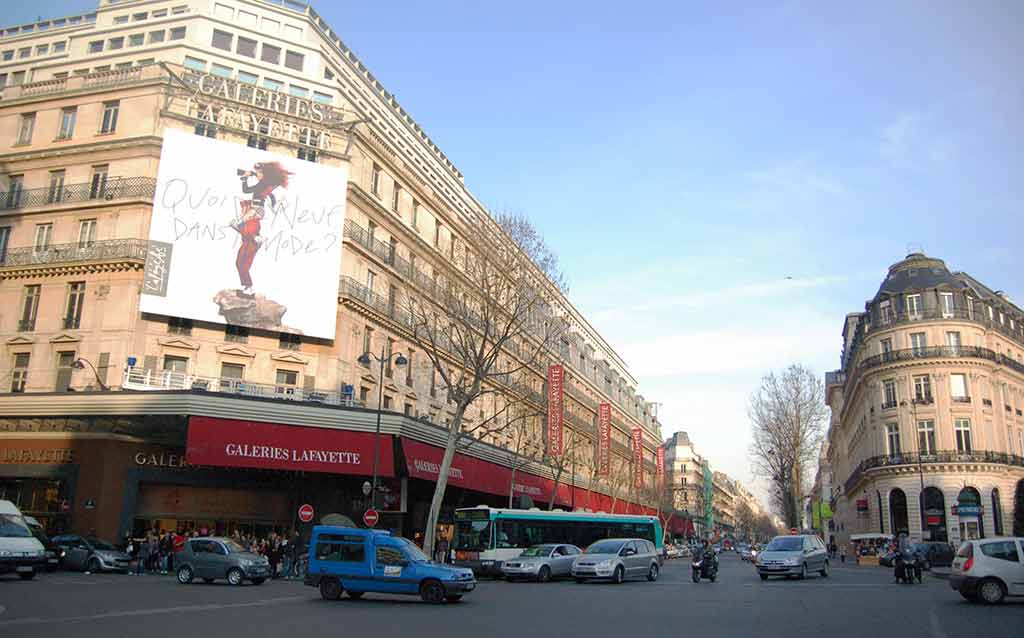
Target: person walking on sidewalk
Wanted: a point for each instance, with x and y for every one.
(143, 558)
(166, 547)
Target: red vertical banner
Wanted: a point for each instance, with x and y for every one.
(556, 378)
(604, 439)
(660, 466)
(638, 458)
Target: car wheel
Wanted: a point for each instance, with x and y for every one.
(991, 591)
(185, 575)
(803, 572)
(330, 589)
(619, 575)
(258, 581)
(432, 592)
(93, 565)
(235, 576)
(355, 595)
(652, 575)
(454, 598)
(824, 570)
(27, 575)
(763, 576)
(544, 574)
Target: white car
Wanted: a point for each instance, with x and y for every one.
(989, 569)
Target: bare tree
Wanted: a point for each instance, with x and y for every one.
(518, 444)
(562, 462)
(488, 327)
(788, 416)
(746, 519)
(619, 478)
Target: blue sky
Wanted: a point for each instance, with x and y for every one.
(684, 160)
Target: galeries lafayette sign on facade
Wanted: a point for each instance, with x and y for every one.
(254, 444)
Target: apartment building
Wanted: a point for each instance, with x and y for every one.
(132, 129)
(927, 434)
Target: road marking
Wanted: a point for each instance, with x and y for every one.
(149, 612)
(936, 627)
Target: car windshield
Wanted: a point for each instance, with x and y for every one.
(13, 526)
(232, 546)
(785, 544)
(605, 547)
(413, 551)
(474, 535)
(538, 550)
(103, 545)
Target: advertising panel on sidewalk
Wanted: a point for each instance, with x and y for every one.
(556, 377)
(244, 237)
(232, 443)
(638, 457)
(604, 439)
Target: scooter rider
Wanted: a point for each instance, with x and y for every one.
(707, 556)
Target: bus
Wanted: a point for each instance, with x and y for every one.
(485, 537)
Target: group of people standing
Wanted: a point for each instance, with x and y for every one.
(282, 551)
(154, 551)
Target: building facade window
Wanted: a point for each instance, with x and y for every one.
(885, 312)
(962, 429)
(923, 388)
(26, 126)
(55, 193)
(926, 437)
(289, 378)
(44, 233)
(68, 116)
(73, 307)
(231, 374)
(246, 47)
(367, 342)
(958, 388)
(289, 341)
(270, 54)
(15, 183)
(918, 343)
(914, 306)
(136, 39)
(98, 182)
(236, 334)
(65, 367)
(115, 43)
(408, 368)
(179, 326)
(396, 197)
(946, 299)
(5, 238)
(892, 437)
(889, 393)
(178, 33)
(156, 37)
(110, 111)
(388, 352)
(19, 371)
(294, 60)
(176, 365)
(96, 46)
(375, 180)
(29, 308)
(221, 40)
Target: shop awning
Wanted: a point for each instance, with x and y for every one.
(255, 444)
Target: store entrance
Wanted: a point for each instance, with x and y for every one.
(210, 511)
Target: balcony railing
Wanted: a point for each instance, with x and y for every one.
(941, 352)
(112, 189)
(142, 380)
(941, 456)
(103, 250)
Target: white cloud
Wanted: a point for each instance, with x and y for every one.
(914, 140)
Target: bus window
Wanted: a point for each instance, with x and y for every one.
(472, 534)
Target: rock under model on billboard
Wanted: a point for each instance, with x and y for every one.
(269, 175)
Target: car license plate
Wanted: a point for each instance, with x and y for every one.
(470, 587)
(23, 569)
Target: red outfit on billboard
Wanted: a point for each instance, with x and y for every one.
(249, 229)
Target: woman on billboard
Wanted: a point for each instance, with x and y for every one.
(269, 176)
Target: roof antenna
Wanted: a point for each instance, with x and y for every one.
(914, 247)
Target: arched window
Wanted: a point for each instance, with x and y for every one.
(898, 518)
(969, 512)
(997, 512)
(934, 523)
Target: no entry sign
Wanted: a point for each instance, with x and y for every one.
(370, 517)
(306, 513)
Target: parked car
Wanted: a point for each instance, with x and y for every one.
(53, 552)
(20, 551)
(212, 558)
(989, 570)
(541, 562)
(935, 554)
(91, 554)
(357, 561)
(672, 551)
(795, 555)
(617, 559)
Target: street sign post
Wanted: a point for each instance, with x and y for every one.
(306, 513)
(370, 517)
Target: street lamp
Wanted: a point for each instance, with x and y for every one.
(80, 363)
(920, 466)
(365, 359)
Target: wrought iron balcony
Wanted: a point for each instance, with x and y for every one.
(103, 250)
(941, 352)
(941, 456)
(113, 188)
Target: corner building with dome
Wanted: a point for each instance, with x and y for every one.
(926, 433)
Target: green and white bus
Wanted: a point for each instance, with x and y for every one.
(485, 537)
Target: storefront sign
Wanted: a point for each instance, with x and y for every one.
(604, 439)
(231, 443)
(48, 457)
(160, 459)
(967, 510)
(660, 465)
(638, 457)
(556, 376)
(862, 505)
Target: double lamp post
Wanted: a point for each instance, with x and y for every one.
(365, 359)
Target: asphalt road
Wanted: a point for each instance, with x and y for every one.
(851, 602)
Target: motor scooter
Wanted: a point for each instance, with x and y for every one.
(705, 567)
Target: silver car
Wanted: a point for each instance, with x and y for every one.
(213, 558)
(541, 562)
(795, 555)
(91, 554)
(617, 559)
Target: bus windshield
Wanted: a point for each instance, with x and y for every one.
(472, 531)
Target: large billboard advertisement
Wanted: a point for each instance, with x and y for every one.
(245, 237)
(556, 378)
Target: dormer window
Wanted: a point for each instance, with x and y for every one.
(947, 304)
(914, 306)
(885, 312)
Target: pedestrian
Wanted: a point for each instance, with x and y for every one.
(842, 554)
(154, 552)
(442, 550)
(143, 558)
(166, 548)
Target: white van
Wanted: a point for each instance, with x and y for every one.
(20, 552)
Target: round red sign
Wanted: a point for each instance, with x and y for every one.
(306, 513)
(370, 517)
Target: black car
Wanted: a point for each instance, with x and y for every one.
(54, 554)
(936, 554)
(92, 554)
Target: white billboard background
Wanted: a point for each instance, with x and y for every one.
(296, 266)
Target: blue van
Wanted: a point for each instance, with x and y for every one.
(356, 561)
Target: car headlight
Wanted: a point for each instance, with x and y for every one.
(5, 553)
(245, 562)
(792, 561)
(605, 564)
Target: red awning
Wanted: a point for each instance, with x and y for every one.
(233, 443)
